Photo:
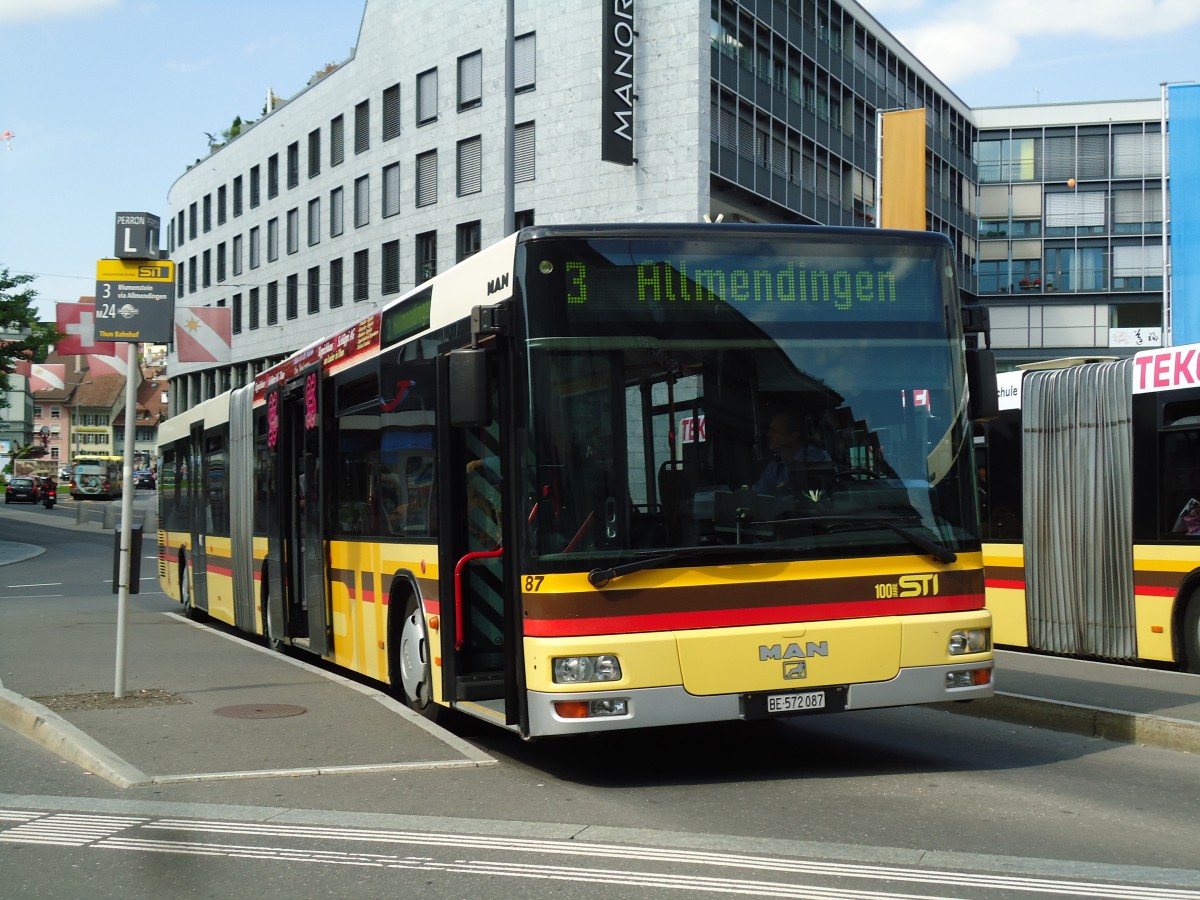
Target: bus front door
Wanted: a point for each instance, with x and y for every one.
(297, 605)
(479, 678)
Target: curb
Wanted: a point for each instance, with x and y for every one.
(1089, 721)
(60, 737)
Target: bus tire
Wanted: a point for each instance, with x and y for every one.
(413, 658)
(271, 640)
(1191, 635)
(185, 591)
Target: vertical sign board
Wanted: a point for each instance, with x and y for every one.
(902, 170)
(1184, 207)
(136, 236)
(616, 83)
(135, 300)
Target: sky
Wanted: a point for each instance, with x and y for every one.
(109, 101)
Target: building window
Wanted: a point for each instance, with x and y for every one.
(221, 203)
(391, 190)
(362, 275)
(193, 269)
(236, 314)
(179, 278)
(236, 253)
(192, 222)
(272, 175)
(524, 65)
(467, 240)
(221, 262)
(207, 257)
(426, 256)
(470, 80)
(207, 213)
(427, 97)
(337, 141)
(314, 290)
(362, 200)
(293, 164)
(362, 127)
(427, 178)
(273, 303)
(179, 230)
(293, 296)
(523, 218)
(469, 177)
(523, 152)
(293, 230)
(336, 211)
(254, 186)
(314, 153)
(272, 239)
(237, 196)
(253, 308)
(335, 282)
(391, 112)
(255, 254)
(390, 271)
(314, 221)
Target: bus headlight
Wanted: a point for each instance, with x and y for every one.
(580, 669)
(970, 640)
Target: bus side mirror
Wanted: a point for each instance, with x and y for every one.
(984, 398)
(984, 401)
(468, 379)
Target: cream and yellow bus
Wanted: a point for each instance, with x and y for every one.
(532, 489)
(1092, 509)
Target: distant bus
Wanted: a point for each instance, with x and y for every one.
(532, 489)
(97, 477)
(1091, 509)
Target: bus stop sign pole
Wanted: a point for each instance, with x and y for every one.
(126, 517)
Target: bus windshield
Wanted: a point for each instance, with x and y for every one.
(777, 401)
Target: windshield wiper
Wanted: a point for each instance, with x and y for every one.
(600, 577)
(939, 552)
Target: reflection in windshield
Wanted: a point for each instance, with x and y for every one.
(642, 445)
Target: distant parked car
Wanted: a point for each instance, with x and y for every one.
(143, 479)
(21, 490)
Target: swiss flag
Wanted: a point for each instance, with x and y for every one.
(78, 322)
(204, 334)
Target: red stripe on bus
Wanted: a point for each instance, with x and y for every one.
(1156, 590)
(1003, 583)
(726, 618)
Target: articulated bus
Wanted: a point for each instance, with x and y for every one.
(529, 489)
(1092, 508)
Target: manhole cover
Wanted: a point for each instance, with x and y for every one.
(261, 711)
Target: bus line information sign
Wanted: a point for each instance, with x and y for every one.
(135, 300)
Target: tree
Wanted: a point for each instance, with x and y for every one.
(22, 336)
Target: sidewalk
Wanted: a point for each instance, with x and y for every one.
(206, 705)
(199, 704)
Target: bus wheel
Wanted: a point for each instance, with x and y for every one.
(1191, 635)
(185, 593)
(416, 674)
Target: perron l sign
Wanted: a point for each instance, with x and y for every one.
(616, 83)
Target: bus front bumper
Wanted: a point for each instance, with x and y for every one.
(672, 705)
